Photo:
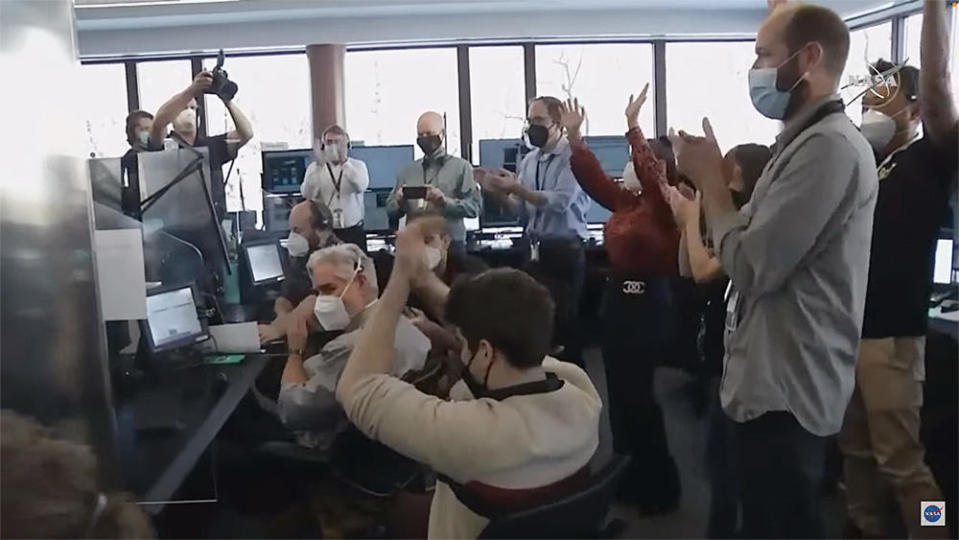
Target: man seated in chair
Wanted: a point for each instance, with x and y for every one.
(521, 426)
(344, 281)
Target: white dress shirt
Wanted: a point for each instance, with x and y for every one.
(346, 203)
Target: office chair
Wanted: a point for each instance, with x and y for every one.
(579, 515)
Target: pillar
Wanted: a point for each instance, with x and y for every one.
(326, 83)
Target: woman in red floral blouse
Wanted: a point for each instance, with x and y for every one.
(642, 242)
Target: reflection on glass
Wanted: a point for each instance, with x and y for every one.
(866, 45)
(497, 94)
(279, 108)
(712, 80)
(386, 91)
(104, 96)
(602, 76)
(159, 81)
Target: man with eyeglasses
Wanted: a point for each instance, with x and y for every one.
(545, 195)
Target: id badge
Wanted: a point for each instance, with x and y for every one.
(338, 218)
(732, 310)
(534, 251)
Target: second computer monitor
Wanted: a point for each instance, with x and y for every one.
(384, 163)
(172, 319)
(376, 219)
(264, 261)
(612, 152)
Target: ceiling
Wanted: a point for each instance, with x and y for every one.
(110, 27)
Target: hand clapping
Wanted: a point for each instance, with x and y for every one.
(698, 158)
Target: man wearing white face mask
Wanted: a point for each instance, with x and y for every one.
(345, 282)
(181, 111)
(338, 181)
(642, 242)
(880, 434)
(797, 255)
(309, 231)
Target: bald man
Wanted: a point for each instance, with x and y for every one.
(798, 259)
(311, 229)
(450, 187)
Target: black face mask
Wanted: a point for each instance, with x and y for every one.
(538, 135)
(477, 388)
(429, 143)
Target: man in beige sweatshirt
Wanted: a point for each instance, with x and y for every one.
(520, 428)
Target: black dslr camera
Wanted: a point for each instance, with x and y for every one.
(222, 85)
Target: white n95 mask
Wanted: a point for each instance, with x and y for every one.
(433, 257)
(297, 245)
(878, 128)
(330, 311)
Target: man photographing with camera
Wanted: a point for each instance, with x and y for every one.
(180, 110)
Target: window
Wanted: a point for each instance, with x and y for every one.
(602, 76)
(103, 92)
(386, 91)
(913, 33)
(159, 81)
(497, 94)
(712, 80)
(866, 45)
(274, 94)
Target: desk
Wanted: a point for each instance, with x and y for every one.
(944, 323)
(153, 467)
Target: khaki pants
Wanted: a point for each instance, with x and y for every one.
(880, 437)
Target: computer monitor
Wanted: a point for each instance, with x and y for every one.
(500, 153)
(376, 219)
(612, 153)
(942, 269)
(596, 213)
(283, 170)
(264, 261)
(384, 163)
(172, 319)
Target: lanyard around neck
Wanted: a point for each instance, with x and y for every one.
(336, 182)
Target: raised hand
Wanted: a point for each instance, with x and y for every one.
(634, 106)
(697, 157)
(411, 247)
(572, 117)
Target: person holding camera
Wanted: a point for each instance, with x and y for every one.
(437, 181)
(180, 110)
(338, 181)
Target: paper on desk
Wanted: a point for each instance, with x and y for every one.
(120, 274)
(233, 338)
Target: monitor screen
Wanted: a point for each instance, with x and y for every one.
(376, 219)
(612, 153)
(283, 171)
(384, 163)
(265, 262)
(499, 153)
(596, 213)
(172, 318)
(942, 271)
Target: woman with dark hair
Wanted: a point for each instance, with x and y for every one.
(50, 488)
(742, 167)
(641, 240)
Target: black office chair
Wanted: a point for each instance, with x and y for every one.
(580, 515)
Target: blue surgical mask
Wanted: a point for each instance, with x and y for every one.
(767, 98)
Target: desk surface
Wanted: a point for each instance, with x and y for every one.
(944, 323)
(154, 466)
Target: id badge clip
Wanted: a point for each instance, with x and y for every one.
(534, 251)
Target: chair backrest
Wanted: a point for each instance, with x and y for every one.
(579, 515)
